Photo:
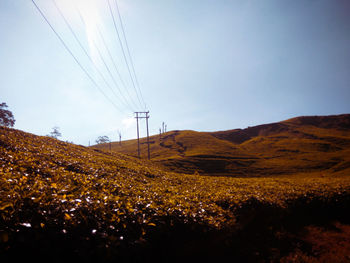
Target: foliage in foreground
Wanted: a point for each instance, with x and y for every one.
(58, 197)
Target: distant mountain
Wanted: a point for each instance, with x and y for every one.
(308, 144)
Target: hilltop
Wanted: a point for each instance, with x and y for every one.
(60, 201)
(309, 144)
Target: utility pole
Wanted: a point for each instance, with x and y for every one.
(138, 135)
(120, 138)
(149, 154)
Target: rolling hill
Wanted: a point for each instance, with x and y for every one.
(60, 201)
(310, 144)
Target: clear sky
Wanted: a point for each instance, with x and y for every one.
(203, 65)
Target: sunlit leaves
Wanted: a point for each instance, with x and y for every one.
(48, 184)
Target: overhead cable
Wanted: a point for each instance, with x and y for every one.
(75, 58)
(123, 51)
(128, 50)
(115, 66)
(90, 58)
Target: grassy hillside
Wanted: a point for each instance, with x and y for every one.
(60, 202)
(301, 145)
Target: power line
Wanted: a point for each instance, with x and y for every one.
(128, 50)
(123, 51)
(110, 73)
(115, 66)
(74, 57)
(87, 54)
(100, 53)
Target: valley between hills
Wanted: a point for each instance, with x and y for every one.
(277, 192)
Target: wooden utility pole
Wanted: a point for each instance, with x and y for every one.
(138, 135)
(149, 154)
(120, 138)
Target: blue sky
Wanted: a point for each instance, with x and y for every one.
(203, 65)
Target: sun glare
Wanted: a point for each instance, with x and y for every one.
(84, 14)
(90, 16)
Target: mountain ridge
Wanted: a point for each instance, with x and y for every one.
(341, 121)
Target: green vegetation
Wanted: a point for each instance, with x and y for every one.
(55, 133)
(6, 116)
(60, 201)
(102, 139)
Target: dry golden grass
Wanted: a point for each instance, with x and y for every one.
(286, 148)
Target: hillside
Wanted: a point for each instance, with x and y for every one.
(60, 202)
(311, 144)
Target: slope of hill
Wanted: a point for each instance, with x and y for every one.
(311, 144)
(61, 202)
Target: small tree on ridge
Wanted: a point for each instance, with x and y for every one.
(6, 116)
(55, 132)
(102, 139)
